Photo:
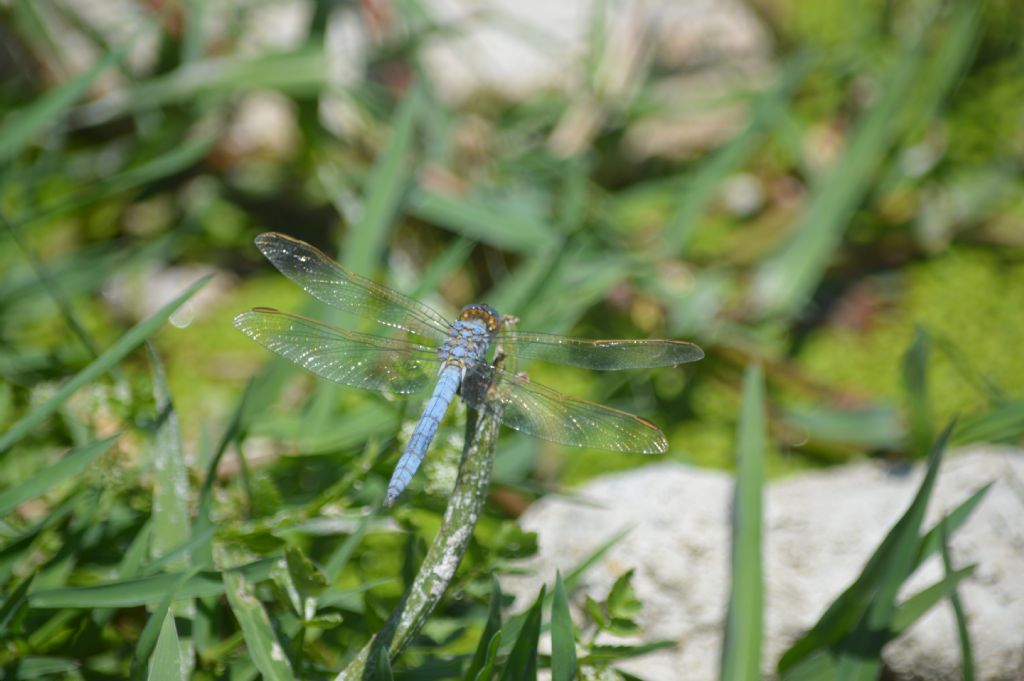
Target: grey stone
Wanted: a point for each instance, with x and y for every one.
(820, 528)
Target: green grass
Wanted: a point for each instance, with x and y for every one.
(199, 505)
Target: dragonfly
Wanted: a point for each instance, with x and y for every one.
(418, 347)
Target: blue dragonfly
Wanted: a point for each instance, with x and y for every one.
(420, 347)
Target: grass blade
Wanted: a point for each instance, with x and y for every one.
(522, 661)
(912, 609)
(302, 71)
(24, 126)
(563, 639)
(842, 615)
(870, 426)
(860, 655)
(501, 226)
(385, 188)
(174, 160)
(166, 663)
(128, 342)
(491, 630)
(68, 467)
(49, 283)
(576, 574)
(703, 185)
(950, 523)
(785, 282)
(1003, 422)
(741, 654)
(13, 601)
(915, 383)
(490, 660)
(263, 647)
(127, 593)
(170, 480)
(382, 670)
(148, 639)
(966, 656)
(605, 653)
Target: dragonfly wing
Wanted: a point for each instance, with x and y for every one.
(545, 413)
(330, 283)
(355, 359)
(602, 355)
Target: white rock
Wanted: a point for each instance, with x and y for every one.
(598, 52)
(820, 528)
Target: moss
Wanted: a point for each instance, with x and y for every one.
(968, 300)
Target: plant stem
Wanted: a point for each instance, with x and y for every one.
(446, 551)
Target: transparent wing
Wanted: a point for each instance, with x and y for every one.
(600, 354)
(331, 283)
(355, 359)
(545, 413)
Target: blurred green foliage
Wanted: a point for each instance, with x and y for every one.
(868, 187)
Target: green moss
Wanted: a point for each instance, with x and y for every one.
(972, 299)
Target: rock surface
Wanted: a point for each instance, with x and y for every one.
(820, 528)
(701, 52)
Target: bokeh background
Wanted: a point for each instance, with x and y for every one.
(832, 190)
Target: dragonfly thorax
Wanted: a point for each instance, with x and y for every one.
(466, 345)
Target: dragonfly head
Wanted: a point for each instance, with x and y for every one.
(484, 313)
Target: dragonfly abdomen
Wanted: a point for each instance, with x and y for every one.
(465, 347)
(426, 428)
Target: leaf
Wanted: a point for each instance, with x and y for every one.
(563, 637)
(97, 367)
(69, 466)
(741, 653)
(263, 647)
(595, 612)
(491, 630)
(166, 662)
(622, 601)
(522, 661)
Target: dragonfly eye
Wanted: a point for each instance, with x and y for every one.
(484, 313)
